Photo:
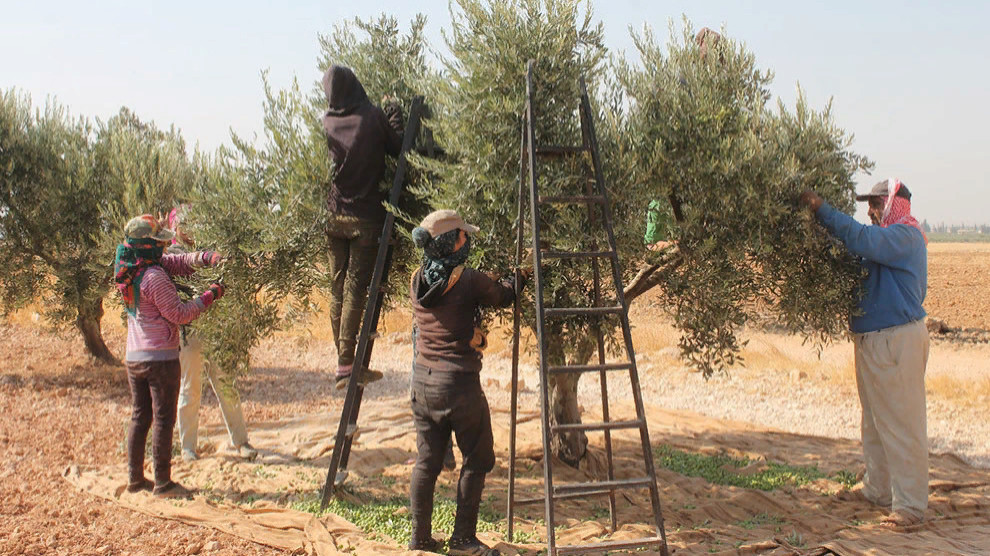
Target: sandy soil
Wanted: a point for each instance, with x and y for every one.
(58, 409)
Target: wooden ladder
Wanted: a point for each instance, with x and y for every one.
(347, 426)
(592, 197)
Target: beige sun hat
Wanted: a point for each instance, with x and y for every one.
(147, 226)
(440, 222)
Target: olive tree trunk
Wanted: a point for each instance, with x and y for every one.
(569, 447)
(88, 323)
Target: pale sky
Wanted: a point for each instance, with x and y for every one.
(909, 79)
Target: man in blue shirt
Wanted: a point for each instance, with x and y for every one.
(891, 346)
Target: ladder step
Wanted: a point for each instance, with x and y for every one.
(600, 426)
(571, 199)
(577, 254)
(605, 546)
(541, 499)
(582, 311)
(585, 488)
(590, 368)
(559, 150)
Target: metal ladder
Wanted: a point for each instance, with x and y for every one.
(592, 197)
(347, 427)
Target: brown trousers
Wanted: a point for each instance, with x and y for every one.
(154, 399)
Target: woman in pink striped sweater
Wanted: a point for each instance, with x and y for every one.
(154, 312)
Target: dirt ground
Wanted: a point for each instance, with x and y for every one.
(58, 411)
(959, 284)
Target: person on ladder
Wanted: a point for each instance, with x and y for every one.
(359, 134)
(191, 361)
(446, 388)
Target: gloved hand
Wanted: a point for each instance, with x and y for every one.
(811, 200)
(213, 293)
(212, 258)
(525, 275)
(218, 290)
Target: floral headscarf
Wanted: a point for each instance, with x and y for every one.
(133, 258)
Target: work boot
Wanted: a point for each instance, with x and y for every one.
(428, 545)
(367, 377)
(143, 484)
(470, 547)
(172, 489)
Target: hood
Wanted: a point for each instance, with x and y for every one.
(344, 92)
(427, 296)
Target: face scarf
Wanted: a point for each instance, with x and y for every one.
(440, 259)
(134, 256)
(897, 210)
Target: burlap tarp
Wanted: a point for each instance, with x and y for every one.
(253, 500)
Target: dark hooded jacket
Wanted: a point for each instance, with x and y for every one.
(359, 134)
(446, 318)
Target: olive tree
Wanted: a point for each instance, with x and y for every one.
(694, 130)
(729, 167)
(482, 100)
(67, 188)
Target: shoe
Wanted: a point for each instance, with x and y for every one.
(857, 494)
(470, 547)
(189, 455)
(247, 451)
(367, 377)
(428, 545)
(143, 484)
(899, 519)
(172, 489)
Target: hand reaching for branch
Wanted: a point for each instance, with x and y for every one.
(811, 200)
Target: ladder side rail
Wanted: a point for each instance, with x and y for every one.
(516, 321)
(352, 399)
(599, 334)
(624, 318)
(538, 298)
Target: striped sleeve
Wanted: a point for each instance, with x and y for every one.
(184, 264)
(161, 291)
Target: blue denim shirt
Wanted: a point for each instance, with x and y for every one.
(896, 260)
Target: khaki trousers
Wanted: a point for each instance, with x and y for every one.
(191, 393)
(890, 375)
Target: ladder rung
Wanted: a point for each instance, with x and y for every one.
(571, 199)
(600, 426)
(576, 254)
(584, 488)
(590, 368)
(541, 499)
(608, 545)
(582, 311)
(559, 150)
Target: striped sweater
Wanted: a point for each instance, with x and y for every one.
(153, 333)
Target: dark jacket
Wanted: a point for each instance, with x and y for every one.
(447, 318)
(359, 134)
